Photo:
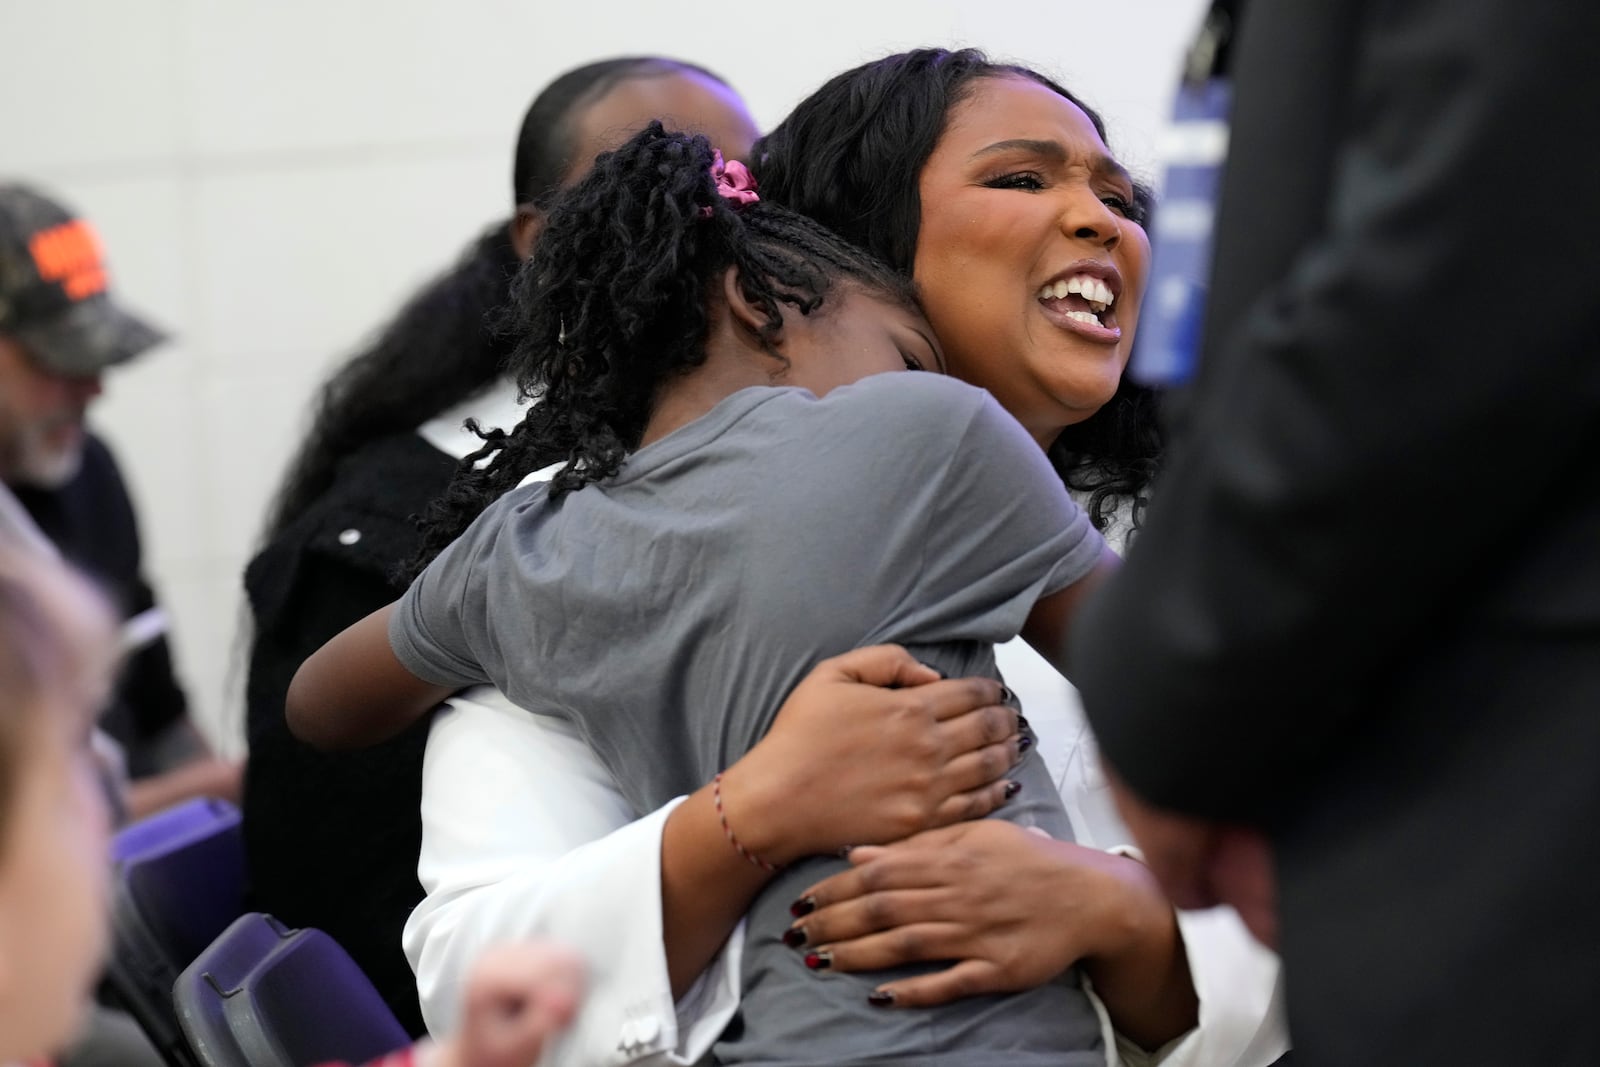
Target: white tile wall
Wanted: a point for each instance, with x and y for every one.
(270, 179)
(89, 84)
(342, 76)
(301, 261)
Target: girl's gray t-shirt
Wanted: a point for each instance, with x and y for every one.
(670, 610)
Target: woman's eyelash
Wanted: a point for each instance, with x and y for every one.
(1136, 208)
(1119, 203)
(911, 362)
(1024, 179)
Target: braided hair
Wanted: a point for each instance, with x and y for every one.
(614, 302)
(851, 155)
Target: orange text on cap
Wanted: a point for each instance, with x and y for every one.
(70, 254)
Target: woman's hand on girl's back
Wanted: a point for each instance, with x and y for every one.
(872, 746)
(1014, 908)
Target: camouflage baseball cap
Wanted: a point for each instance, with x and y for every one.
(53, 290)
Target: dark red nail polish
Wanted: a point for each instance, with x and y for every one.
(1024, 743)
(880, 998)
(804, 906)
(819, 960)
(1022, 722)
(1006, 695)
(795, 936)
(1012, 789)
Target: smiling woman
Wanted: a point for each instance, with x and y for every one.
(986, 182)
(1030, 256)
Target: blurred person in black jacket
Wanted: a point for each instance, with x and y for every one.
(1350, 675)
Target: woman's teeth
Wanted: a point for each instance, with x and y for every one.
(1094, 292)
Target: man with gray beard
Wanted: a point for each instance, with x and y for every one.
(59, 332)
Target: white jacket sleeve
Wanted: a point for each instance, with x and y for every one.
(525, 834)
(1240, 986)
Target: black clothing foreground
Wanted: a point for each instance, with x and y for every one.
(1364, 610)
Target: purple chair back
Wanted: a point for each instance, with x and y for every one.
(200, 994)
(263, 995)
(180, 879)
(186, 820)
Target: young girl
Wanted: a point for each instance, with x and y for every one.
(711, 538)
(333, 842)
(57, 661)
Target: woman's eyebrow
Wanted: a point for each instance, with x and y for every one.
(1056, 152)
(1051, 150)
(1110, 168)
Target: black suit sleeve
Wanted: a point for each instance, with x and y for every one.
(1375, 425)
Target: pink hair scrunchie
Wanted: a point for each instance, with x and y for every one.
(734, 182)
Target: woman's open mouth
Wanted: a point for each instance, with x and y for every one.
(1083, 303)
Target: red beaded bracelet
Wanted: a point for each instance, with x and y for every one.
(716, 796)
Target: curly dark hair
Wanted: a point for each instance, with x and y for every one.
(851, 155)
(440, 348)
(614, 302)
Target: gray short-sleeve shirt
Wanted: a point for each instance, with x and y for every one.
(670, 610)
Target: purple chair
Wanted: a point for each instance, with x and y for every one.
(179, 880)
(263, 995)
(181, 822)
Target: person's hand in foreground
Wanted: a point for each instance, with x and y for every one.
(1201, 863)
(518, 997)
